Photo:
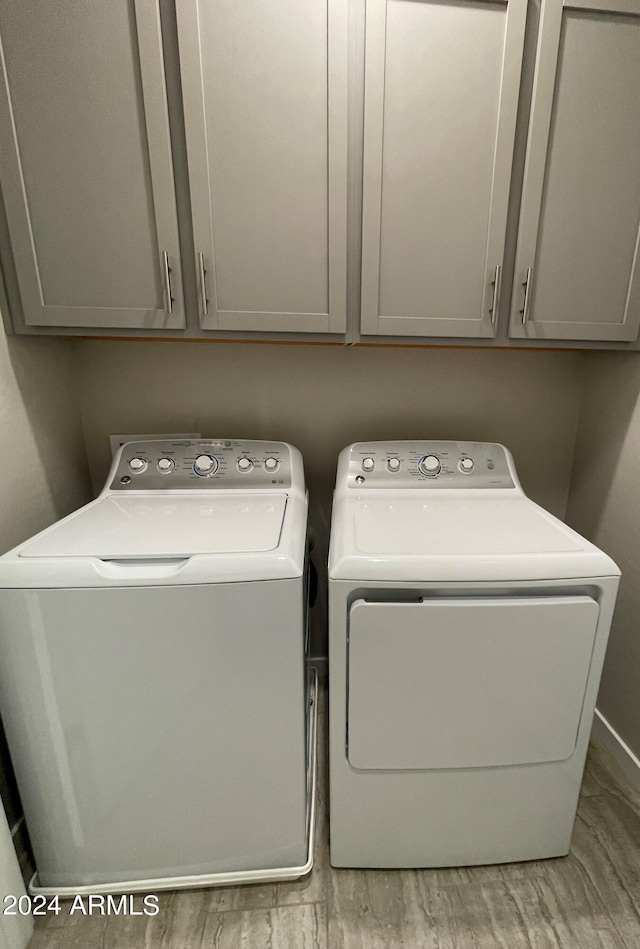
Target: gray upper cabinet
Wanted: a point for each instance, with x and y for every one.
(279, 101)
(442, 82)
(577, 272)
(265, 104)
(85, 164)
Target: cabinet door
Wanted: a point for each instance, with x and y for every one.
(265, 101)
(441, 94)
(85, 164)
(577, 259)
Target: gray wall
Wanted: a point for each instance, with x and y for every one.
(605, 506)
(43, 470)
(321, 398)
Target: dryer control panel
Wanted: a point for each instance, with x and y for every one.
(428, 464)
(200, 464)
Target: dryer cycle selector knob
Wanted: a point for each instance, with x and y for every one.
(137, 464)
(205, 465)
(165, 465)
(244, 464)
(430, 466)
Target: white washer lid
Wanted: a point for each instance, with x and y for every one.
(456, 538)
(162, 526)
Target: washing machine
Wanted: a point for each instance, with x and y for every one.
(467, 632)
(153, 684)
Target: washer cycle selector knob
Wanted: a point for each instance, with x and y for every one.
(271, 464)
(205, 465)
(430, 466)
(466, 465)
(368, 464)
(165, 465)
(244, 464)
(393, 464)
(137, 464)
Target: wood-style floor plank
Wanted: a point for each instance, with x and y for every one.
(47, 938)
(393, 909)
(285, 927)
(70, 932)
(606, 846)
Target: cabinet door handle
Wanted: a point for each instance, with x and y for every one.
(167, 282)
(203, 285)
(525, 305)
(495, 283)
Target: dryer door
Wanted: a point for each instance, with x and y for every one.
(467, 683)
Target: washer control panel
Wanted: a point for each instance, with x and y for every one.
(200, 464)
(429, 464)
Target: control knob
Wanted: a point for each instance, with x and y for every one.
(165, 465)
(430, 466)
(466, 465)
(137, 464)
(244, 464)
(205, 465)
(393, 464)
(368, 464)
(271, 464)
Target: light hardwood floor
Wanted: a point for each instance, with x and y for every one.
(588, 900)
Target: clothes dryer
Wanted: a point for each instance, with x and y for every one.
(153, 683)
(467, 632)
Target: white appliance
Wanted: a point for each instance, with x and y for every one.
(153, 682)
(467, 632)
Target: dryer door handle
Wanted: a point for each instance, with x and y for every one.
(151, 569)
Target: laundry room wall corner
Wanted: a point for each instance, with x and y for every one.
(44, 475)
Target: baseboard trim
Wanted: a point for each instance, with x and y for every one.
(603, 732)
